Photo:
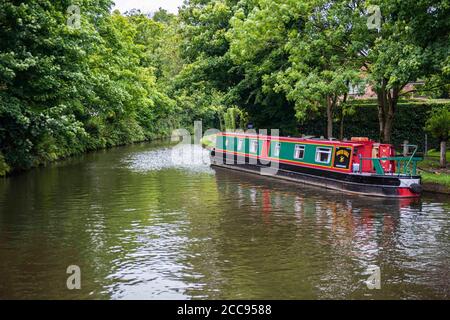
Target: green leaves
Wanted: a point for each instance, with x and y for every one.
(123, 78)
(438, 123)
(65, 90)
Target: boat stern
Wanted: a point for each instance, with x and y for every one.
(410, 187)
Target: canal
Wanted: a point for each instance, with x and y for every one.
(141, 225)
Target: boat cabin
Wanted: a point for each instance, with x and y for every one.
(360, 155)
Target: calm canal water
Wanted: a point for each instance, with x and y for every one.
(141, 226)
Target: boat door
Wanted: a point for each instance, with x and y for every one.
(265, 147)
(385, 151)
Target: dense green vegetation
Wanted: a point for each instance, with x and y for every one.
(70, 83)
(438, 125)
(65, 90)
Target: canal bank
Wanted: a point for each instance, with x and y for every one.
(435, 188)
(435, 179)
(7, 171)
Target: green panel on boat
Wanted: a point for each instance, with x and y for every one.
(287, 151)
(238, 144)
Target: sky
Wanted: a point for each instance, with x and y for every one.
(148, 5)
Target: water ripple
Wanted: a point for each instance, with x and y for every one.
(186, 157)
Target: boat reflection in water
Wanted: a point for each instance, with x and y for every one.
(326, 242)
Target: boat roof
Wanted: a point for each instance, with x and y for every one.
(298, 139)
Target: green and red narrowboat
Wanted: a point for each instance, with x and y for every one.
(359, 166)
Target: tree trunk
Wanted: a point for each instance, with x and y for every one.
(392, 100)
(329, 118)
(382, 102)
(381, 122)
(387, 105)
(443, 160)
(343, 106)
(387, 133)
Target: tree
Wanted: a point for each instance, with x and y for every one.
(410, 42)
(322, 63)
(302, 49)
(163, 16)
(204, 77)
(439, 126)
(257, 39)
(211, 64)
(234, 118)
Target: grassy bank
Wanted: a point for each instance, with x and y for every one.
(434, 177)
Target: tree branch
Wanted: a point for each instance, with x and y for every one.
(429, 89)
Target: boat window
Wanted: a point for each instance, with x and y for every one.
(226, 143)
(240, 144)
(299, 152)
(276, 150)
(323, 155)
(254, 146)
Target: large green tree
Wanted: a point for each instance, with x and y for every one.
(213, 70)
(412, 42)
(325, 44)
(207, 74)
(304, 52)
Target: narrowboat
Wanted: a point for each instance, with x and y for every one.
(359, 165)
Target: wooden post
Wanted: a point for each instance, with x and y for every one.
(443, 158)
(405, 148)
(426, 146)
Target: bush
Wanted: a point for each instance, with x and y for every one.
(4, 168)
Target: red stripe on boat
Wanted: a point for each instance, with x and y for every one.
(406, 193)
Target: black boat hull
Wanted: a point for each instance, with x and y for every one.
(394, 186)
